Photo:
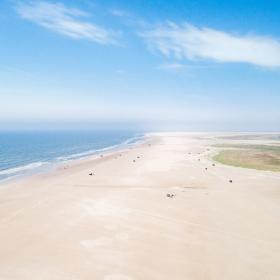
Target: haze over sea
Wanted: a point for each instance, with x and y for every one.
(25, 152)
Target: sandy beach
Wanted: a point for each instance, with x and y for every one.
(158, 210)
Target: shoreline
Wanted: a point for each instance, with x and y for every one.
(52, 166)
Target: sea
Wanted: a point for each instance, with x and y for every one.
(23, 153)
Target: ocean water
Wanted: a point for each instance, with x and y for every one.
(23, 153)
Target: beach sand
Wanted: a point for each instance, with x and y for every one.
(119, 224)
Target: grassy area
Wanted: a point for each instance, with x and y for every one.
(263, 148)
(253, 137)
(261, 157)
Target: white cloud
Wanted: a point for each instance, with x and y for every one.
(67, 21)
(189, 42)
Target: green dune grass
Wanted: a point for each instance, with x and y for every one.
(260, 157)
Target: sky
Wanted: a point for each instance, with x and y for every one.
(147, 65)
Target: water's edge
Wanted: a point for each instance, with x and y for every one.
(35, 168)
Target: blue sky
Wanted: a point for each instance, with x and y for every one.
(195, 65)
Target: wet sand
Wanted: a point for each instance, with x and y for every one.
(120, 224)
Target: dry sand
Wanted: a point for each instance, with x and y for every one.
(119, 224)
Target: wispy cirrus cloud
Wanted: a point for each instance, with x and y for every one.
(186, 41)
(66, 21)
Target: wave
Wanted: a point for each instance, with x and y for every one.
(128, 142)
(23, 168)
(85, 154)
(20, 170)
(133, 140)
